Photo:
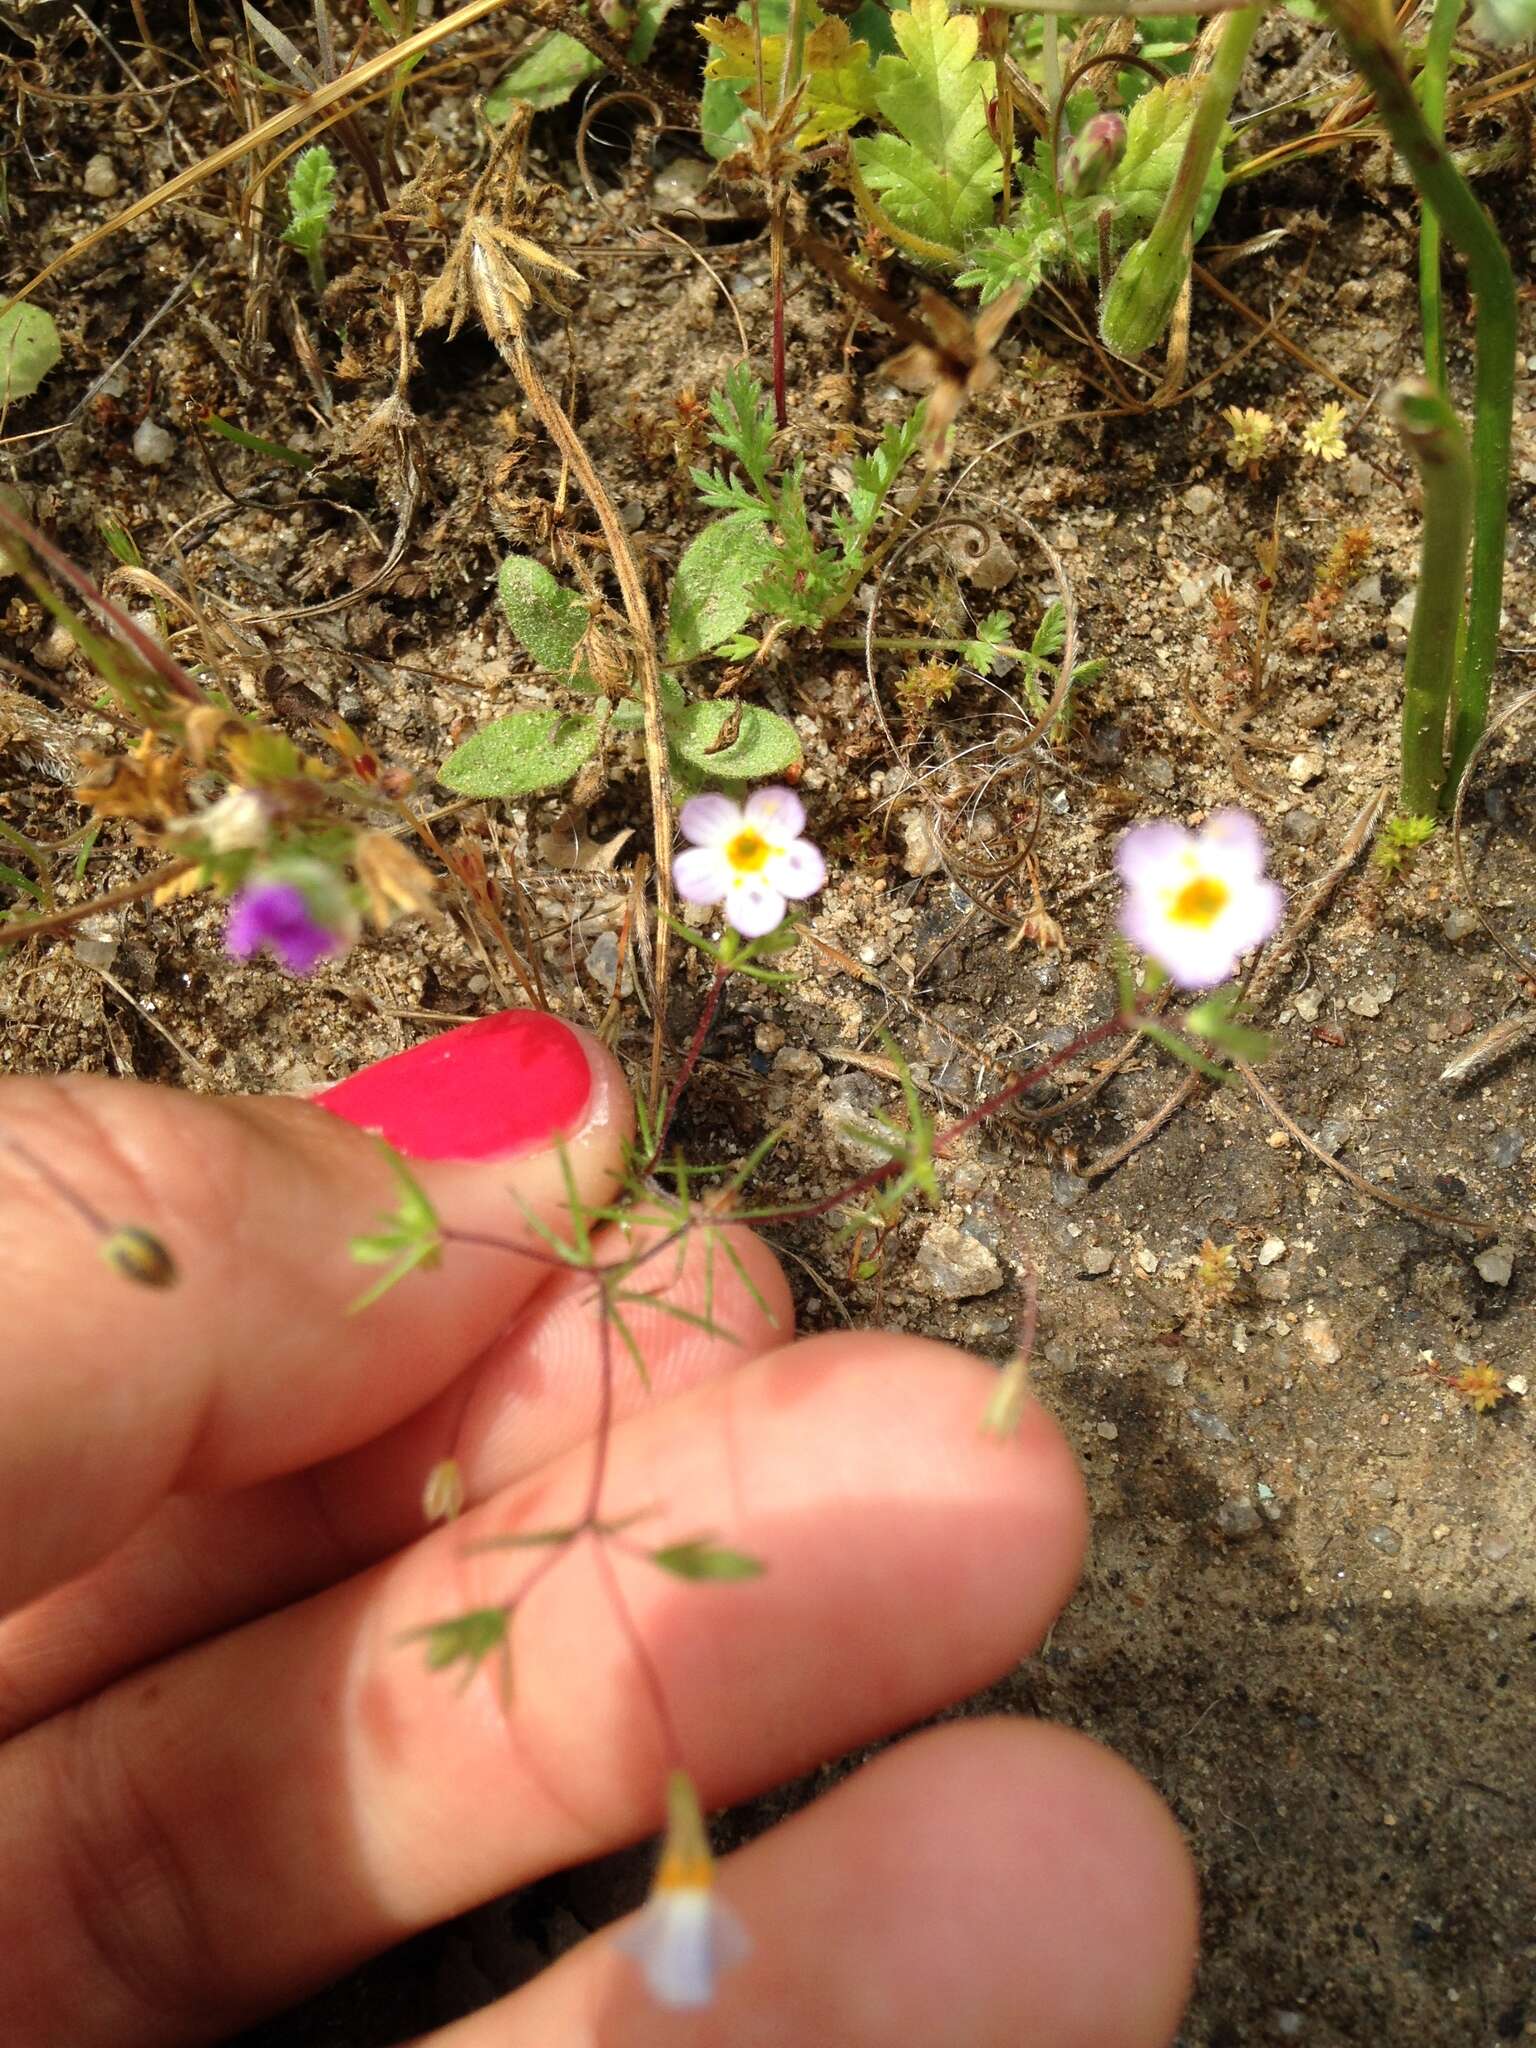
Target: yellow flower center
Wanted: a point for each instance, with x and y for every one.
(1200, 902)
(748, 851)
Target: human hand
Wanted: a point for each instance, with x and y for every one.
(224, 1781)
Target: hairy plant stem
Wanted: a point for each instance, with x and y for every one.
(1432, 435)
(1462, 219)
(1145, 289)
(638, 613)
(1437, 59)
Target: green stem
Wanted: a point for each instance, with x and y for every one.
(1432, 435)
(1437, 61)
(1144, 290)
(1470, 231)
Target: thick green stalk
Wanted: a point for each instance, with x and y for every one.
(1441, 186)
(1437, 61)
(1432, 435)
(1144, 290)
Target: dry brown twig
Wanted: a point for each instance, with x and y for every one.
(498, 273)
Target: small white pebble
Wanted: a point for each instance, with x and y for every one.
(100, 179)
(1271, 1249)
(153, 446)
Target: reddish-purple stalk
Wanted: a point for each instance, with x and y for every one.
(690, 1061)
(589, 1523)
(780, 380)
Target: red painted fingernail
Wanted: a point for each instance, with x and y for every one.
(489, 1090)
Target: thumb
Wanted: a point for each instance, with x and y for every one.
(252, 1363)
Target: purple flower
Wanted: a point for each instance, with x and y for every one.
(749, 856)
(1195, 902)
(275, 916)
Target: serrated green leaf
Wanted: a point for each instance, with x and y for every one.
(546, 616)
(701, 1558)
(311, 199)
(520, 755)
(837, 86)
(1034, 243)
(1155, 133)
(466, 1639)
(941, 171)
(765, 744)
(546, 77)
(29, 348)
(712, 590)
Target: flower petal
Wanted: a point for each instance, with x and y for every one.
(709, 820)
(1147, 852)
(776, 812)
(1237, 835)
(796, 871)
(701, 874)
(682, 1941)
(752, 907)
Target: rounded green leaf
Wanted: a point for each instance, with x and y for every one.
(712, 590)
(29, 348)
(546, 616)
(546, 77)
(520, 755)
(765, 744)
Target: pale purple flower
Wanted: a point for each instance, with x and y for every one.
(1196, 902)
(748, 856)
(275, 916)
(686, 1935)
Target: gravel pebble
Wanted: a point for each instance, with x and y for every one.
(1496, 1265)
(1237, 1520)
(952, 1266)
(100, 179)
(1098, 1259)
(153, 445)
(1386, 1540)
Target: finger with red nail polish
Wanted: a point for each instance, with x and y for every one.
(252, 1364)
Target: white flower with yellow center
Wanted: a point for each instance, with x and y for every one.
(685, 1936)
(1196, 902)
(750, 857)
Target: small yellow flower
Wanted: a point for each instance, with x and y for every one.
(1324, 436)
(1482, 1385)
(1255, 436)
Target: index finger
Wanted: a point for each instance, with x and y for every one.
(251, 1365)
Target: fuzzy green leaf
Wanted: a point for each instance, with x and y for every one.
(941, 170)
(765, 744)
(520, 755)
(712, 590)
(311, 199)
(546, 77)
(702, 1558)
(29, 348)
(546, 616)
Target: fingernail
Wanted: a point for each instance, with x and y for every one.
(506, 1084)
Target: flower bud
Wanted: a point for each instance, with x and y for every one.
(1093, 156)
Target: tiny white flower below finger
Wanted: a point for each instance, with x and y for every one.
(686, 1935)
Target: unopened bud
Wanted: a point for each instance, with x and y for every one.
(1093, 156)
(442, 1498)
(139, 1256)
